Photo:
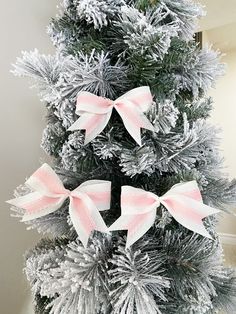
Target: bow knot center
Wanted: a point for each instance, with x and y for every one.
(68, 192)
(157, 201)
(110, 103)
(117, 103)
(74, 193)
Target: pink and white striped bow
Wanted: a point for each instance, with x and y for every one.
(183, 201)
(95, 112)
(85, 201)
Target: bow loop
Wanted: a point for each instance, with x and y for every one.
(37, 205)
(49, 195)
(189, 189)
(95, 112)
(141, 97)
(137, 201)
(99, 191)
(45, 181)
(88, 102)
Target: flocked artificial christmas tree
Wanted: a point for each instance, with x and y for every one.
(109, 48)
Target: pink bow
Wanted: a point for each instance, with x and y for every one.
(183, 201)
(49, 194)
(95, 112)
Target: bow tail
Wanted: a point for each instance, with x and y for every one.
(189, 213)
(94, 124)
(85, 218)
(37, 205)
(134, 119)
(137, 225)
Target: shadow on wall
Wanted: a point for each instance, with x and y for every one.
(21, 126)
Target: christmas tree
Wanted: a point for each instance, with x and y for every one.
(121, 66)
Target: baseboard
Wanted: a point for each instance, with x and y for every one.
(227, 238)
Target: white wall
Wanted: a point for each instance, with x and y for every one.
(22, 27)
(224, 112)
(224, 115)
